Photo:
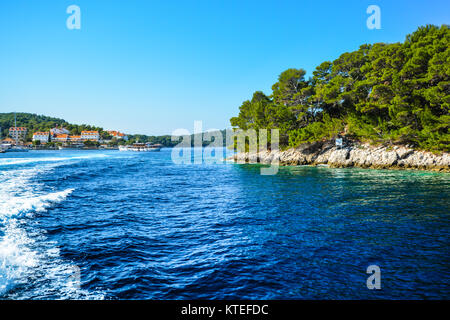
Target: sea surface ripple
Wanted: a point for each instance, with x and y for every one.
(119, 225)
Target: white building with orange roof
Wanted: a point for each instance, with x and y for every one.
(118, 135)
(59, 130)
(18, 133)
(75, 139)
(90, 135)
(42, 137)
(8, 141)
(61, 137)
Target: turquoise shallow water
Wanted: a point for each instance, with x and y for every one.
(112, 225)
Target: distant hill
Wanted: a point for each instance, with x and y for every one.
(35, 122)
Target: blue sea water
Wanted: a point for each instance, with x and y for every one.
(119, 225)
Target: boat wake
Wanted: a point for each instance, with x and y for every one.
(30, 264)
(20, 161)
(17, 206)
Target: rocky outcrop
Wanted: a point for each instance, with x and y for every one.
(353, 155)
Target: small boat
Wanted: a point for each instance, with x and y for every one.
(10, 148)
(71, 147)
(140, 147)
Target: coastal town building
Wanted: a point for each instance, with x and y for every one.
(61, 137)
(42, 137)
(75, 139)
(90, 135)
(59, 130)
(18, 133)
(118, 135)
(8, 141)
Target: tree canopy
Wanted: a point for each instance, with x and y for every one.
(384, 93)
(34, 123)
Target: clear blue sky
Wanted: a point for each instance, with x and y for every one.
(154, 66)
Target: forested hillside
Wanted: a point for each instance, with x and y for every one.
(383, 93)
(36, 122)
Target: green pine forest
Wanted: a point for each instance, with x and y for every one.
(382, 93)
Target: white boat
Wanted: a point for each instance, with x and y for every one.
(11, 148)
(140, 147)
(71, 147)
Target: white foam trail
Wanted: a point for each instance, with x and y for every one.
(18, 252)
(16, 206)
(28, 260)
(15, 255)
(14, 161)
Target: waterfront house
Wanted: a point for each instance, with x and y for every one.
(75, 139)
(43, 137)
(60, 130)
(18, 133)
(8, 141)
(118, 135)
(61, 137)
(90, 135)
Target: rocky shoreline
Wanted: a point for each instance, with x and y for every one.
(354, 154)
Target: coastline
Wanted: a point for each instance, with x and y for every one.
(361, 155)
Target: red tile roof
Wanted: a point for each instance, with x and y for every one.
(17, 129)
(116, 133)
